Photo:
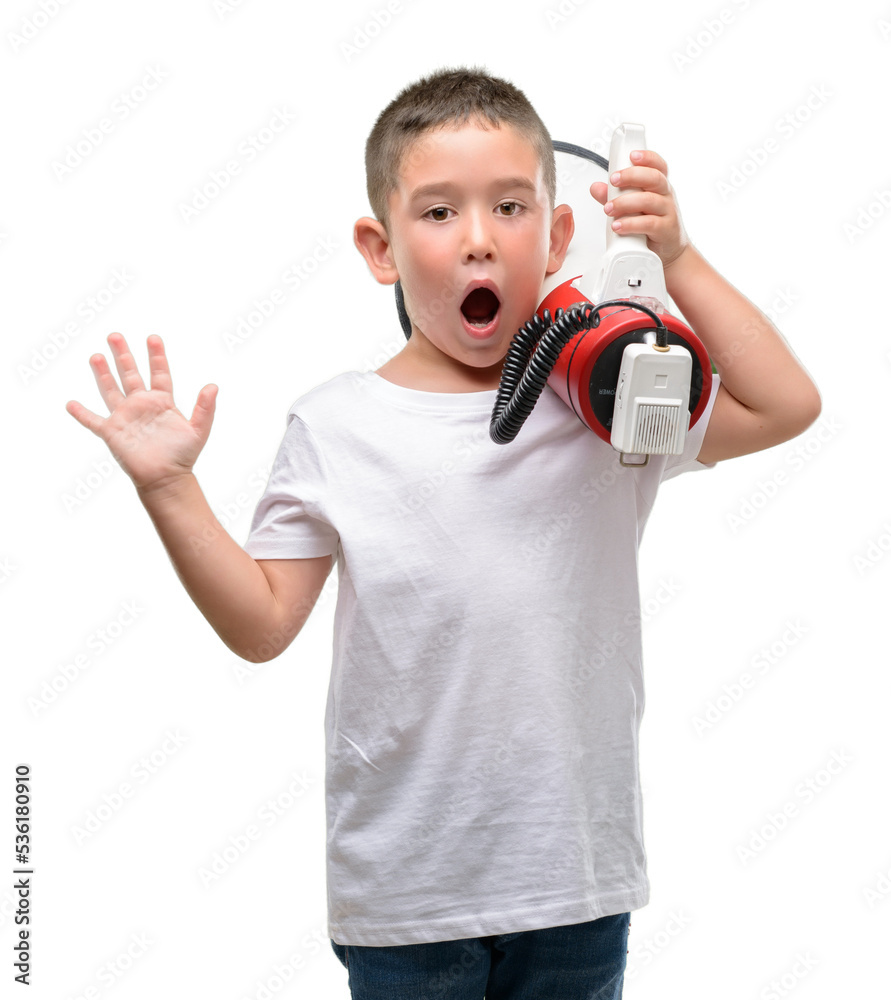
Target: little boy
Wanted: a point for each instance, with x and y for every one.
(482, 789)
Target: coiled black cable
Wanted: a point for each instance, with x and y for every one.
(531, 357)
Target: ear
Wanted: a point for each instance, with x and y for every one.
(562, 228)
(373, 243)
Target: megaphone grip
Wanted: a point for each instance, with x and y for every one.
(626, 138)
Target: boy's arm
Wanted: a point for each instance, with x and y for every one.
(256, 607)
(253, 605)
(765, 396)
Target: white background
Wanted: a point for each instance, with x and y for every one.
(773, 119)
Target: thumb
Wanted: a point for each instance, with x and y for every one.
(598, 191)
(202, 414)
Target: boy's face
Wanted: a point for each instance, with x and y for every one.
(470, 238)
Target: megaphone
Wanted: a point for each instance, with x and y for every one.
(631, 371)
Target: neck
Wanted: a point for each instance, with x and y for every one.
(433, 371)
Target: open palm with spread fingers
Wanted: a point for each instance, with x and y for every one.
(145, 432)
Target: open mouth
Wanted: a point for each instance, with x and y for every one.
(480, 307)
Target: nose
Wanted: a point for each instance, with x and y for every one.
(478, 237)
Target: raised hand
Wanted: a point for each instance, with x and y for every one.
(147, 435)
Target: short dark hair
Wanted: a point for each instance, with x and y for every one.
(448, 97)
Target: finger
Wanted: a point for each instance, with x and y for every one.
(92, 421)
(641, 178)
(159, 370)
(202, 414)
(640, 203)
(651, 226)
(131, 380)
(649, 158)
(108, 387)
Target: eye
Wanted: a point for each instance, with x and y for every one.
(438, 214)
(512, 208)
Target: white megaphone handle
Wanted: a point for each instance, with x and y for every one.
(628, 267)
(626, 139)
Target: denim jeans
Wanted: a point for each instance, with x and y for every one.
(576, 962)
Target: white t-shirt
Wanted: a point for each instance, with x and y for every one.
(486, 689)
